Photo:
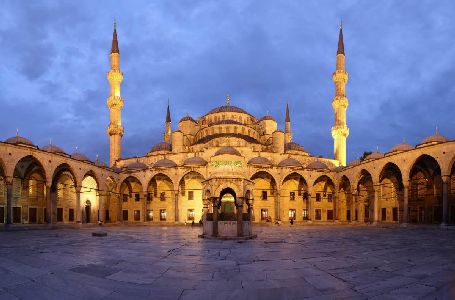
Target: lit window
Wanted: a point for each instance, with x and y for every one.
(149, 215)
(190, 215)
(292, 196)
(163, 196)
(137, 215)
(318, 197)
(264, 214)
(292, 214)
(162, 215)
(305, 214)
(329, 197)
(137, 197)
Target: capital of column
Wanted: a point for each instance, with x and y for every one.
(445, 178)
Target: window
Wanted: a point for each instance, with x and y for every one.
(137, 215)
(2, 214)
(348, 215)
(292, 196)
(137, 197)
(305, 196)
(149, 196)
(125, 215)
(190, 195)
(107, 216)
(59, 214)
(395, 214)
(305, 214)
(17, 212)
(264, 195)
(292, 214)
(330, 214)
(318, 197)
(32, 215)
(264, 214)
(71, 215)
(384, 214)
(356, 215)
(149, 215)
(163, 196)
(162, 215)
(318, 215)
(46, 218)
(125, 197)
(190, 215)
(329, 197)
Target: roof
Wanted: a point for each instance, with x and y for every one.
(187, 118)
(227, 150)
(340, 49)
(267, 117)
(53, 149)
(79, 156)
(168, 114)
(19, 140)
(288, 119)
(354, 162)
(260, 161)
(195, 161)
(290, 162)
(137, 165)
(436, 138)
(208, 138)
(294, 146)
(114, 48)
(375, 155)
(227, 108)
(319, 165)
(163, 146)
(164, 163)
(226, 122)
(401, 147)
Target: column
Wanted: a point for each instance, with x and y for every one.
(376, 204)
(176, 206)
(205, 209)
(102, 206)
(445, 200)
(144, 206)
(9, 201)
(277, 205)
(335, 205)
(353, 200)
(48, 205)
(215, 216)
(310, 207)
(239, 216)
(405, 203)
(78, 205)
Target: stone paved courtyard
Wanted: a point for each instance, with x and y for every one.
(320, 262)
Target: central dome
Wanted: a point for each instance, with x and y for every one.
(228, 108)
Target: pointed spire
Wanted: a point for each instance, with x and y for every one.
(228, 100)
(168, 113)
(288, 119)
(114, 48)
(340, 40)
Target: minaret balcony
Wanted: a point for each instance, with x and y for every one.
(115, 130)
(115, 76)
(340, 76)
(340, 131)
(340, 101)
(115, 102)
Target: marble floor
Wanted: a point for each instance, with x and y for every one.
(317, 262)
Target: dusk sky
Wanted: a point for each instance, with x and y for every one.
(400, 56)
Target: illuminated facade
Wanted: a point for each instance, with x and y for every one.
(228, 163)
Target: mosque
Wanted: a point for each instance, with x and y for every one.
(228, 165)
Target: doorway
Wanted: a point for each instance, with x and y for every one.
(88, 207)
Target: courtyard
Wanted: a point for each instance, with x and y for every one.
(139, 262)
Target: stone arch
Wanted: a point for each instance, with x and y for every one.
(89, 198)
(294, 197)
(364, 200)
(323, 192)
(131, 200)
(29, 185)
(266, 195)
(161, 195)
(191, 196)
(344, 199)
(425, 191)
(63, 187)
(390, 202)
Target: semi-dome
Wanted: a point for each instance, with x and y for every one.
(267, 117)
(355, 162)
(374, 155)
(289, 162)
(260, 161)
(401, 147)
(163, 146)
(79, 156)
(227, 108)
(53, 149)
(137, 165)
(19, 140)
(436, 138)
(187, 118)
(293, 147)
(227, 150)
(195, 161)
(164, 163)
(317, 165)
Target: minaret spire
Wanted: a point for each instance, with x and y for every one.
(167, 126)
(287, 126)
(115, 102)
(340, 131)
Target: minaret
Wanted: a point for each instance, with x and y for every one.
(287, 127)
(340, 103)
(168, 129)
(115, 103)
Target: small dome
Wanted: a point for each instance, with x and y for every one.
(163, 146)
(227, 150)
(260, 161)
(164, 163)
(319, 165)
(19, 140)
(137, 165)
(195, 161)
(401, 147)
(375, 155)
(294, 147)
(437, 138)
(53, 149)
(355, 162)
(187, 118)
(79, 156)
(267, 117)
(227, 108)
(289, 162)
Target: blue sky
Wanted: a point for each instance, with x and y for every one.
(400, 57)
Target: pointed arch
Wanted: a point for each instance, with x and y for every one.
(391, 200)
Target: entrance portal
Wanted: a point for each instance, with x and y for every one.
(228, 208)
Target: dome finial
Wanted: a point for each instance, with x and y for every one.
(340, 49)
(228, 100)
(437, 130)
(168, 113)
(17, 131)
(341, 23)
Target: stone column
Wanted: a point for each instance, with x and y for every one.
(144, 206)
(335, 205)
(353, 200)
(176, 206)
(239, 216)
(215, 216)
(445, 200)
(54, 206)
(9, 201)
(277, 205)
(250, 210)
(405, 203)
(101, 206)
(309, 207)
(205, 209)
(48, 205)
(78, 205)
(376, 205)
